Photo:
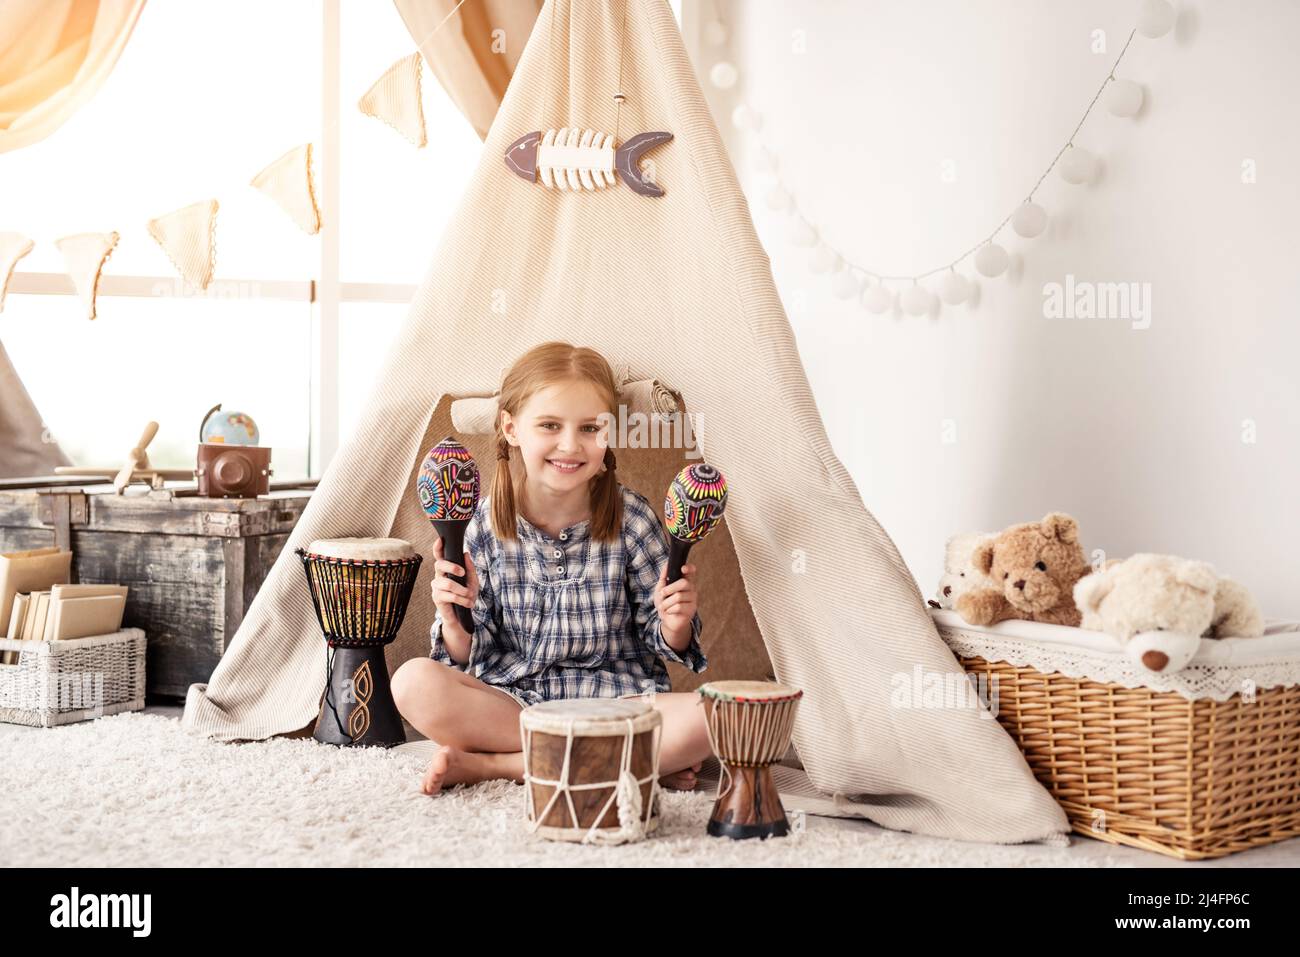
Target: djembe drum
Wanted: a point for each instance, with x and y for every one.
(360, 587)
(749, 724)
(591, 769)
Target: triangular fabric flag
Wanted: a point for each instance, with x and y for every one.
(395, 99)
(188, 237)
(85, 255)
(13, 247)
(289, 182)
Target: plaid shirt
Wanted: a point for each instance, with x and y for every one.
(570, 617)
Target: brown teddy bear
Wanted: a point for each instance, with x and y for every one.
(1034, 568)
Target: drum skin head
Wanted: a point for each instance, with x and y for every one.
(590, 717)
(764, 691)
(363, 549)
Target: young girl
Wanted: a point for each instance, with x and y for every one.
(566, 577)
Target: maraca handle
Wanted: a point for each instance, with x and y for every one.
(452, 534)
(677, 552)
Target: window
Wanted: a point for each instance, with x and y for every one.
(207, 93)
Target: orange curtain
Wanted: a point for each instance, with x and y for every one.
(474, 53)
(54, 55)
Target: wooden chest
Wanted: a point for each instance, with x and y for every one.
(193, 564)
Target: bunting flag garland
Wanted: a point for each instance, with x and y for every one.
(85, 255)
(289, 182)
(395, 99)
(188, 237)
(13, 247)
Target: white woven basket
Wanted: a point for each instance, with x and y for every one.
(61, 682)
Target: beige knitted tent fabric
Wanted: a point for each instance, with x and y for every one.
(472, 47)
(680, 289)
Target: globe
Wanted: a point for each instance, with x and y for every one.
(229, 428)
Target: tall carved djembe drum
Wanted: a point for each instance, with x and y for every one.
(750, 724)
(360, 587)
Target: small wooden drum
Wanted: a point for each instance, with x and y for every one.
(360, 588)
(591, 769)
(749, 723)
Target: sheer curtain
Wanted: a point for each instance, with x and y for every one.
(54, 55)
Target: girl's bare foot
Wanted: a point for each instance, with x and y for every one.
(683, 780)
(448, 766)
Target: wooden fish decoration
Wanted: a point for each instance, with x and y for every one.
(576, 159)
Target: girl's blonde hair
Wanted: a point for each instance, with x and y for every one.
(549, 364)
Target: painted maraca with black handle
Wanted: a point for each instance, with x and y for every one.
(448, 487)
(692, 509)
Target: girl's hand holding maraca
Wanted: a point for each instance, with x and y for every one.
(677, 604)
(448, 593)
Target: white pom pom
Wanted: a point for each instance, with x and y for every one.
(1124, 98)
(877, 299)
(778, 199)
(845, 285)
(1077, 166)
(764, 161)
(1029, 220)
(824, 259)
(802, 234)
(916, 300)
(724, 75)
(954, 288)
(715, 34)
(744, 118)
(1155, 19)
(992, 260)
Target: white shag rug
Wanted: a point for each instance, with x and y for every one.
(137, 790)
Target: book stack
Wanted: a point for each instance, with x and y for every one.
(67, 611)
(27, 572)
(63, 612)
(38, 604)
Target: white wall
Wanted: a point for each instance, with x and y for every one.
(1138, 433)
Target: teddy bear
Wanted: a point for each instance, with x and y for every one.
(959, 575)
(1033, 567)
(1160, 606)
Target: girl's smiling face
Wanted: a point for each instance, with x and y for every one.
(560, 435)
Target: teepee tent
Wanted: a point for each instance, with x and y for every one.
(677, 288)
(25, 448)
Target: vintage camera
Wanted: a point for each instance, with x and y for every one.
(233, 471)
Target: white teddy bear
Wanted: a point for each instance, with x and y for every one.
(1160, 606)
(959, 574)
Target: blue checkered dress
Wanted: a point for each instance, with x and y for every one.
(569, 617)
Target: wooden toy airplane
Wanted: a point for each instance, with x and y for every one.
(136, 469)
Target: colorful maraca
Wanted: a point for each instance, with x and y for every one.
(692, 508)
(448, 487)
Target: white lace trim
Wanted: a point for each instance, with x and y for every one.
(1219, 670)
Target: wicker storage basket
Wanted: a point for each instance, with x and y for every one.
(60, 682)
(1195, 771)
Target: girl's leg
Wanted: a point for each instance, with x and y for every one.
(685, 740)
(476, 725)
(451, 707)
